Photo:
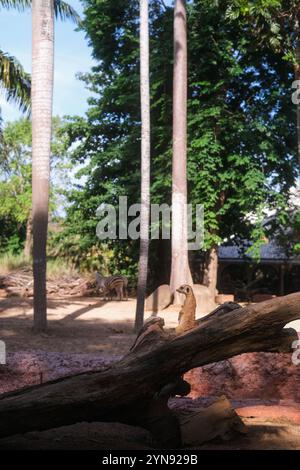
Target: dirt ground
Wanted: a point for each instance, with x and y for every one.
(261, 435)
(103, 330)
(76, 325)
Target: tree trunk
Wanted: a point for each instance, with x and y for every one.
(42, 91)
(180, 270)
(136, 389)
(28, 240)
(145, 164)
(211, 271)
(297, 77)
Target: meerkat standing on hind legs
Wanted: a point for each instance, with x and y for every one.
(187, 314)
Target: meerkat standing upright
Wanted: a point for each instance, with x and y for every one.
(187, 314)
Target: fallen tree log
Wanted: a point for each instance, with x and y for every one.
(136, 389)
(197, 425)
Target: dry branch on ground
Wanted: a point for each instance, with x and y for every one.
(20, 283)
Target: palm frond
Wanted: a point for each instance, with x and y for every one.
(62, 10)
(14, 81)
(18, 4)
(65, 12)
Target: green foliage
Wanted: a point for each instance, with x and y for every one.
(15, 180)
(14, 81)
(15, 184)
(241, 125)
(287, 233)
(296, 233)
(272, 21)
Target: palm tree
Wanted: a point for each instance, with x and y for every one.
(297, 78)
(16, 84)
(180, 271)
(145, 163)
(41, 103)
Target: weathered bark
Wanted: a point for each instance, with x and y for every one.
(180, 271)
(41, 98)
(145, 164)
(136, 389)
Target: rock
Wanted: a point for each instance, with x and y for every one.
(159, 299)
(222, 298)
(204, 298)
(162, 298)
(218, 420)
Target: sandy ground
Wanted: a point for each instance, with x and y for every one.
(76, 325)
(83, 334)
(81, 325)
(262, 435)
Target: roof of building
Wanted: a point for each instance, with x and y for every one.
(269, 251)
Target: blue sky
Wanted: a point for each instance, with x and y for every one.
(72, 55)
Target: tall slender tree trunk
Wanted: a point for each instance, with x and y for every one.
(212, 258)
(42, 91)
(145, 163)
(211, 271)
(180, 271)
(28, 240)
(297, 77)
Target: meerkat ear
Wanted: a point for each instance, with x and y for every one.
(188, 289)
